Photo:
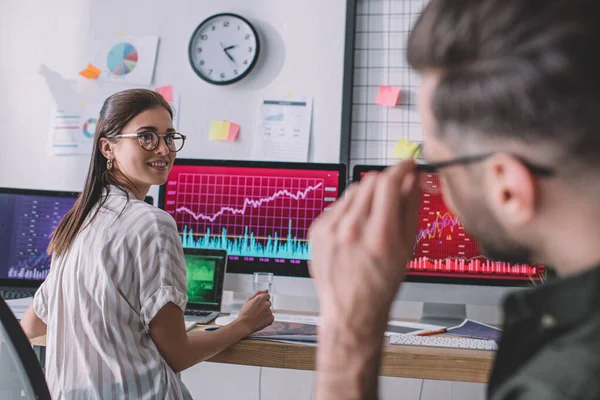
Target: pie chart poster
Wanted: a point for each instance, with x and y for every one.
(129, 60)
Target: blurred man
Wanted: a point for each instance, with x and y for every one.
(510, 104)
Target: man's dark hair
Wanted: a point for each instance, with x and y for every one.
(519, 69)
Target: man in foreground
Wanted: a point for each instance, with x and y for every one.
(510, 104)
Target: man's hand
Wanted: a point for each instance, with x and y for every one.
(256, 312)
(359, 253)
(361, 246)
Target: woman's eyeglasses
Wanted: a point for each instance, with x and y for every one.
(149, 140)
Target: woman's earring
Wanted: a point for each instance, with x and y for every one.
(109, 164)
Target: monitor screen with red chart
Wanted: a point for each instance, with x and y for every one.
(260, 212)
(445, 252)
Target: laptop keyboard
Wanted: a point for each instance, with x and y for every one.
(12, 294)
(198, 313)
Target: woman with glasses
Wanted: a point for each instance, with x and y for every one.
(112, 305)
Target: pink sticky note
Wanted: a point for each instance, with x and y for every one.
(234, 130)
(388, 95)
(167, 92)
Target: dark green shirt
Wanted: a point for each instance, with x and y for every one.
(550, 347)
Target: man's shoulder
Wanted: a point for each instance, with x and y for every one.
(566, 368)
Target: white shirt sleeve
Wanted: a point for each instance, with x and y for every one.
(158, 255)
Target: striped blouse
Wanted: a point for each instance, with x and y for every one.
(98, 301)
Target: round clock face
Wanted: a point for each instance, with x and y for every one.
(223, 49)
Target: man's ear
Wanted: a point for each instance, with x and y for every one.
(513, 193)
(106, 148)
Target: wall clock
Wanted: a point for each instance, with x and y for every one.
(223, 49)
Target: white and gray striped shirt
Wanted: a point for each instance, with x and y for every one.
(99, 299)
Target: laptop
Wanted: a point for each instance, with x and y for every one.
(205, 276)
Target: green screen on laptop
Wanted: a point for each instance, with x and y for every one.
(205, 275)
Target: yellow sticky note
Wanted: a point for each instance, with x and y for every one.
(121, 33)
(406, 149)
(219, 130)
(91, 72)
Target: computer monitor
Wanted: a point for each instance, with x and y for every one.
(260, 212)
(444, 252)
(27, 219)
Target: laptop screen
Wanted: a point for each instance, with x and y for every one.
(205, 275)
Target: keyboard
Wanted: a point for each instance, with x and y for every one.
(198, 313)
(443, 341)
(11, 294)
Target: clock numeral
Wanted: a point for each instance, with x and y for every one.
(201, 62)
(247, 37)
(235, 71)
(222, 75)
(226, 24)
(204, 37)
(250, 49)
(245, 62)
(212, 28)
(239, 27)
(210, 71)
(199, 49)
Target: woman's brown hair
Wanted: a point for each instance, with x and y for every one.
(116, 112)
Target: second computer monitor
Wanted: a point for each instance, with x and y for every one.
(27, 220)
(260, 212)
(445, 252)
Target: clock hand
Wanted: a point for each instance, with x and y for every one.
(229, 47)
(229, 55)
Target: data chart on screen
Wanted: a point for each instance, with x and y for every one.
(256, 214)
(444, 248)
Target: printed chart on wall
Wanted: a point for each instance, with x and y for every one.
(72, 129)
(382, 29)
(283, 133)
(129, 60)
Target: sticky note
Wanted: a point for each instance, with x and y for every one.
(121, 33)
(388, 95)
(166, 91)
(234, 130)
(91, 72)
(405, 149)
(219, 130)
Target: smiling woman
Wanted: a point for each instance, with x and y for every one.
(117, 281)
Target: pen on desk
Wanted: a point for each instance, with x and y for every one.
(213, 328)
(436, 332)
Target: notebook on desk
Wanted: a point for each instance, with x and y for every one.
(205, 276)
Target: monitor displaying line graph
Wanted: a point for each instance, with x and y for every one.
(259, 215)
(443, 248)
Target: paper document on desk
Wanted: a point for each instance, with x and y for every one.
(477, 330)
(19, 306)
(289, 331)
(411, 328)
(283, 132)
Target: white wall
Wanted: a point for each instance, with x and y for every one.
(44, 44)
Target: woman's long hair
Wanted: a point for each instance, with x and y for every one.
(117, 111)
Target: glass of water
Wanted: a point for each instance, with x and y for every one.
(263, 281)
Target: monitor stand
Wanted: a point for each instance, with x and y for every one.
(445, 315)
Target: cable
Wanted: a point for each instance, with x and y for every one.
(259, 383)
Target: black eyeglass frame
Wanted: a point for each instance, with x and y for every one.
(465, 160)
(164, 137)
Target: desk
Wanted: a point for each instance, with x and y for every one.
(398, 361)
